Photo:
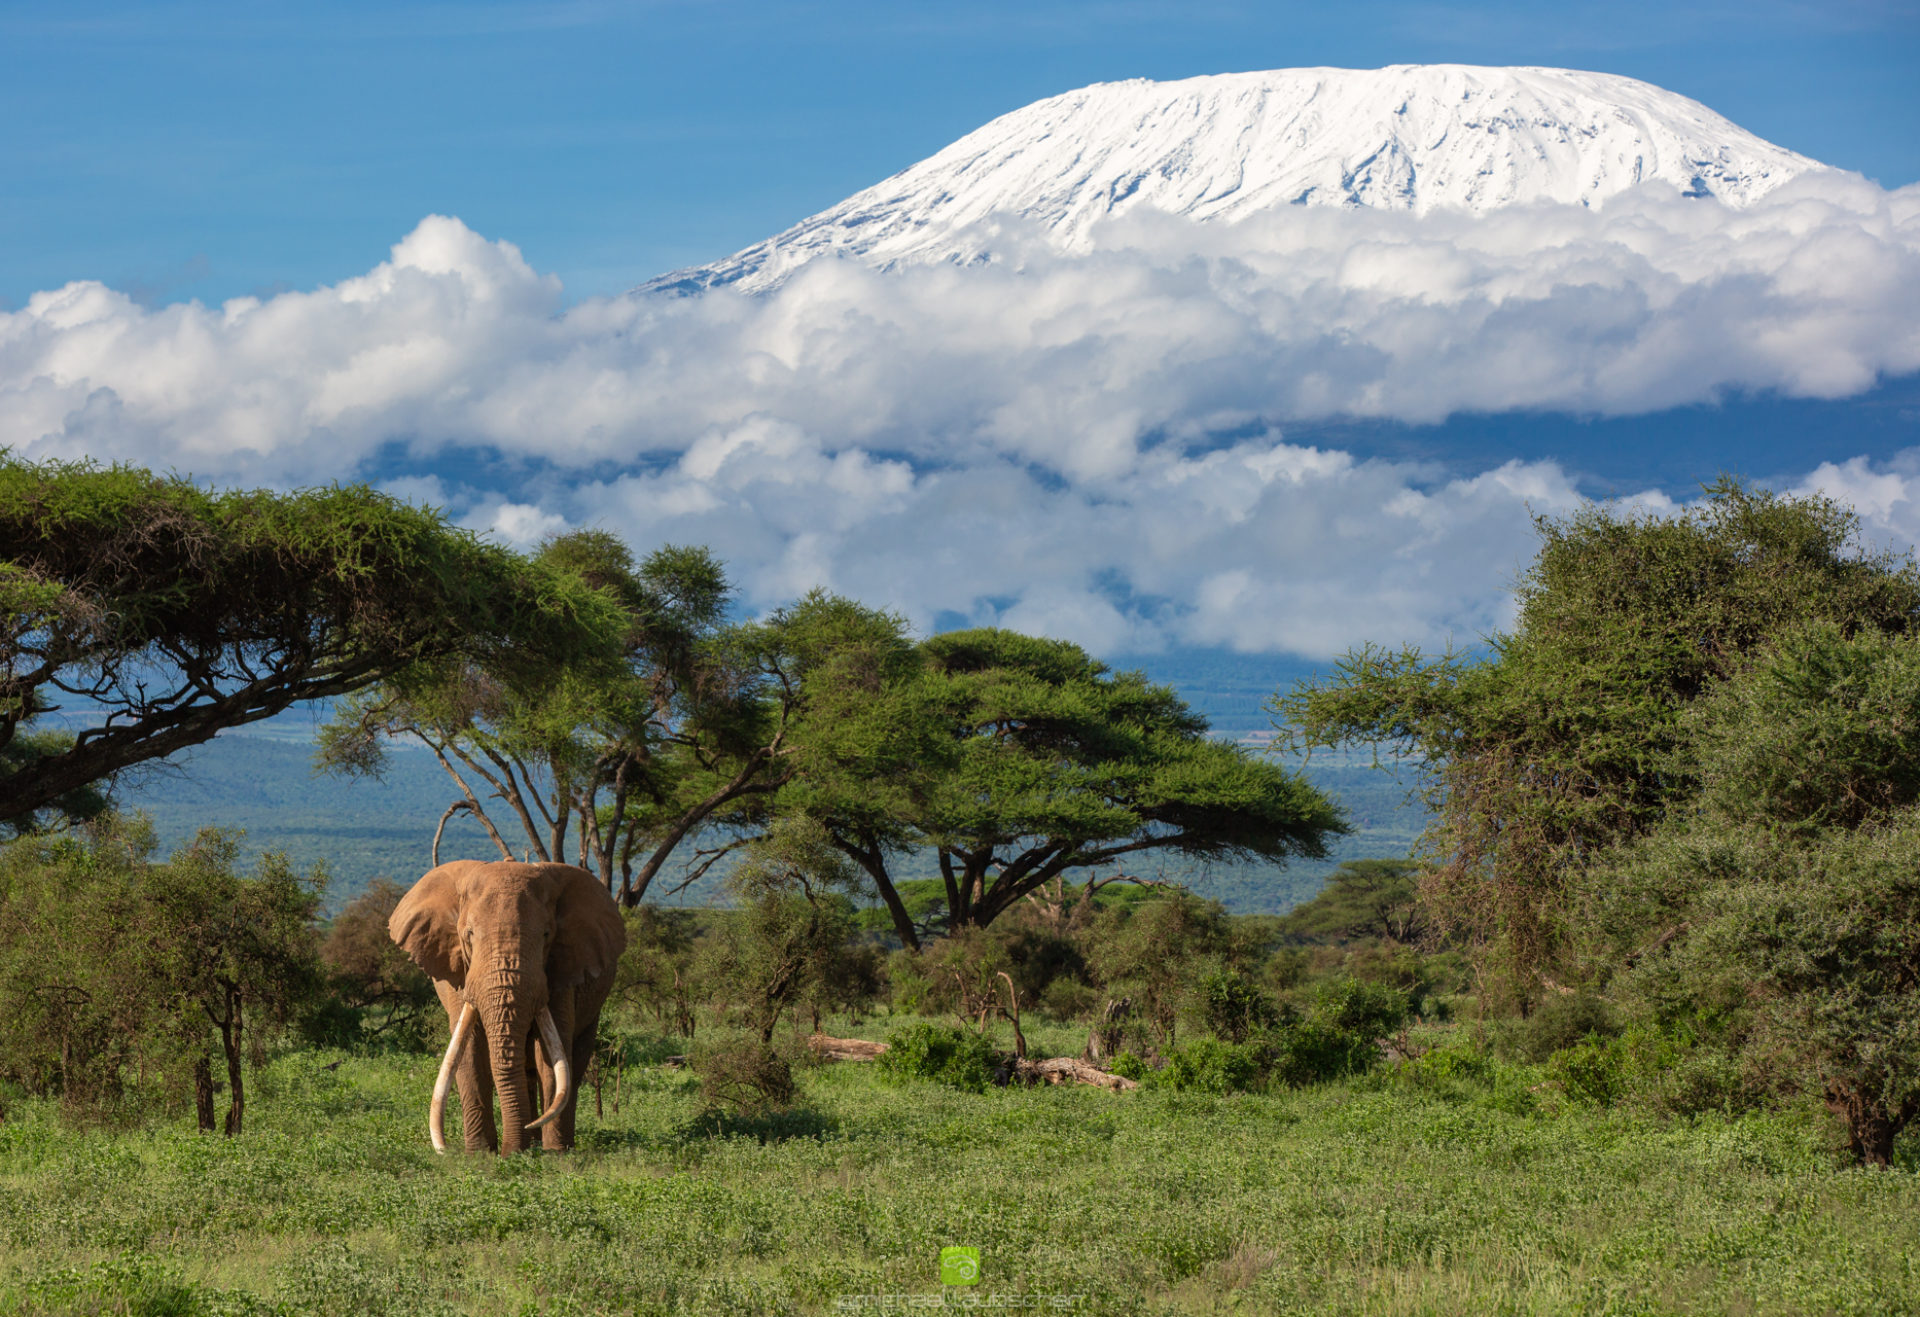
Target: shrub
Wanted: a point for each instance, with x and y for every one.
(1561, 1022)
(376, 996)
(1234, 1005)
(656, 975)
(117, 969)
(1368, 1011)
(1208, 1065)
(1595, 1070)
(1314, 1050)
(1069, 999)
(745, 1076)
(944, 1053)
(1154, 954)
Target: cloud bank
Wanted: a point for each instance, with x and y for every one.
(1092, 446)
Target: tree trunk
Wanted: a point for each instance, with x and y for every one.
(203, 1092)
(1108, 1035)
(875, 863)
(230, 1038)
(1871, 1127)
(1064, 1070)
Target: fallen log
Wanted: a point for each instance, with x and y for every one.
(844, 1049)
(1068, 1070)
(1055, 1070)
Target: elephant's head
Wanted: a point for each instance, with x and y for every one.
(509, 937)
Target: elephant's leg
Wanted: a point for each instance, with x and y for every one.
(471, 1075)
(475, 1078)
(582, 1057)
(588, 998)
(557, 1136)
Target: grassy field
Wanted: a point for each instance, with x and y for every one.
(1408, 1192)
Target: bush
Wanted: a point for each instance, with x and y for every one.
(375, 997)
(1594, 1070)
(1560, 1022)
(745, 1076)
(119, 973)
(1069, 999)
(1368, 1011)
(943, 1053)
(1234, 1005)
(1208, 1065)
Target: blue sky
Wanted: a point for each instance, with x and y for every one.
(427, 214)
(206, 150)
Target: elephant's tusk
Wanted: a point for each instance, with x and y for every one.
(557, 1050)
(437, 1113)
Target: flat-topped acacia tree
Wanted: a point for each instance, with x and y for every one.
(614, 766)
(160, 613)
(1018, 760)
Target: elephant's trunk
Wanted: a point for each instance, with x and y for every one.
(507, 1001)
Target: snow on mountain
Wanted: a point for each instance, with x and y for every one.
(1407, 137)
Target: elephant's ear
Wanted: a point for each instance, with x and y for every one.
(426, 924)
(588, 932)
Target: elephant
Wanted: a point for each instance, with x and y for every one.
(522, 956)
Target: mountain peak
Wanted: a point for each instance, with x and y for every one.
(1416, 137)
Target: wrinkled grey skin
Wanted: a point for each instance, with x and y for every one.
(509, 938)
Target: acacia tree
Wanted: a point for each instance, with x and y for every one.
(162, 613)
(615, 764)
(1569, 737)
(1780, 916)
(1017, 760)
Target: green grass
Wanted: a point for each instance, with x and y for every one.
(1459, 1194)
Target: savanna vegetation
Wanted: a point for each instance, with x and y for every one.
(1635, 1030)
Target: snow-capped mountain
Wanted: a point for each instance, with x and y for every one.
(1409, 137)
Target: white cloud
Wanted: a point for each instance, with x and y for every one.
(1886, 496)
(1260, 546)
(1043, 441)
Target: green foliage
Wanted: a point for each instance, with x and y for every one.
(1562, 1020)
(1156, 954)
(1017, 760)
(943, 1053)
(1808, 958)
(1364, 899)
(1337, 1034)
(1235, 1006)
(789, 937)
(1566, 740)
(177, 612)
(1208, 1065)
(376, 996)
(1824, 732)
(656, 975)
(115, 967)
(1593, 1070)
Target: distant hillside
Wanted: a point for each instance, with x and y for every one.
(363, 830)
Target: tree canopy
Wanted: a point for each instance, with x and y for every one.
(1570, 736)
(615, 763)
(157, 613)
(1015, 759)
